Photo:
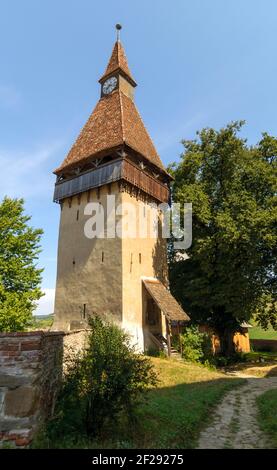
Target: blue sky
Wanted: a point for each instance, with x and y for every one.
(198, 63)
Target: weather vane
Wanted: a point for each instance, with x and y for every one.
(118, 28)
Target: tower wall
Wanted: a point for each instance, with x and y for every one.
(141, 257)
(89, 270)
(106, 274)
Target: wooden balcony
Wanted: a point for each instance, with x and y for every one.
(117, 170)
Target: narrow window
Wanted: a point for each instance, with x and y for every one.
(139, 258)
(77, 215)
(102, 256)
(73, 261)
(131, 262)
(84, 311)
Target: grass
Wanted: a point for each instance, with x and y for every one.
(42, 322)
(267, 405)
(261, 356)
(258, 333)
(172, 417)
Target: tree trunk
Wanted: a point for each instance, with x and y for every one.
(227, 343)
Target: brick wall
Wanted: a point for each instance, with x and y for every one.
(30, 373)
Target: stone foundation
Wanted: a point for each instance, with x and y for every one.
(73, 343)
(30, 374)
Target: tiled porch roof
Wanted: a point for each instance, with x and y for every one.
(165, 301)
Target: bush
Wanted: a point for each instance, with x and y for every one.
(107, 378)
(154, 352)
(196, 346)
(224, 361)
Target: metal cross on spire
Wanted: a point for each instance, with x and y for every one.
(118, 28)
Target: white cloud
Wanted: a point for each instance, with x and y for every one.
(46, 303)
(29, 173)
(9, 97)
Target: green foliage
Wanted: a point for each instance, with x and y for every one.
(231, 359)
(231, 271)
(107, 378)
(261, 356)
(154, 352)
(196, 346)
(19, 276)
(267, 405)
(171, 418)
(42, 322)
(258, 333)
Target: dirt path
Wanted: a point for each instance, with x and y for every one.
(235, 425)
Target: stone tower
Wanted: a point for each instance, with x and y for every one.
(113, 156)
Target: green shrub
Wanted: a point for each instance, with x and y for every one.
(175, 342)
(196, 346)
(223, 361)
(154, 352)
(107, 378)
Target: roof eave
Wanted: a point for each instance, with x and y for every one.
(117, 70)
(102, 153)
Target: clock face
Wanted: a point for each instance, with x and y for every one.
(109, 85)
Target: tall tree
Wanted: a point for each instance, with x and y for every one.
(19, 276)
(230, 274)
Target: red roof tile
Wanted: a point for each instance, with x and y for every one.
(165, 301)
(115, 121)
(118, 61)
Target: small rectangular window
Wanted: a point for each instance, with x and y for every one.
(84, 311)
(102, 256)
(139, 258)
(77, 215)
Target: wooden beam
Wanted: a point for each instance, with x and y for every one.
(180, 342)
(168, 339)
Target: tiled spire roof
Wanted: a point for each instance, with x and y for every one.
(115, 121)
(118, 62)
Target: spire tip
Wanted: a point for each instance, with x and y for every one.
(118, 28)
